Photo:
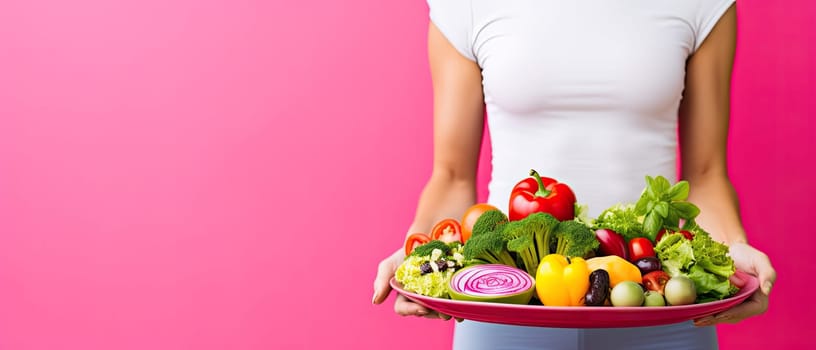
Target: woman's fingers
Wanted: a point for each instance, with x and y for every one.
(757, 304)
(381, 286)
(405, 307)
(765, 273)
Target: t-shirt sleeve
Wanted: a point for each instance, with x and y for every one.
(454, 18)
(707, 16)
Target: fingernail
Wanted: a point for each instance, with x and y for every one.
(421, 312)
(374, 298)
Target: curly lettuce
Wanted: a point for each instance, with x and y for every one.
(433, 284)
(621, 219)
(703, 260)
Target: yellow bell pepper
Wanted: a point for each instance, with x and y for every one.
(562, 282)
(618, 268)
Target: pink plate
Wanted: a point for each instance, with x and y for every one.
(579, 317)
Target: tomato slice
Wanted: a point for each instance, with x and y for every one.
(447, 231)
(640, 248)
(415, 240)
(471, 215)
(656, 281)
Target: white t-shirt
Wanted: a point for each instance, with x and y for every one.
(584, 91)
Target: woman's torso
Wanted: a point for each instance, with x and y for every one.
(587, 92)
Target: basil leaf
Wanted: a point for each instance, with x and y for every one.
(652, 224)
(679, 192)
(650, 206)
(662, 186)
(672, 220)
(686, 210)
(662, 208)
(650, 183)
(640, 206)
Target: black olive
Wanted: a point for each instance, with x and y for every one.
(598, 288)
(648, 264)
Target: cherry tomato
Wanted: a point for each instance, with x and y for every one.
(447, 231)
(685, 233)
(656, 281)
(640, 248)
(415, 240)
(471, 215)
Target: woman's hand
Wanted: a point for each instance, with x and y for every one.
(402, 305)
(754, 262)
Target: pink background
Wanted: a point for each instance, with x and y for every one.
(226, 174)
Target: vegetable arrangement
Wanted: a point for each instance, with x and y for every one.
(649, 253)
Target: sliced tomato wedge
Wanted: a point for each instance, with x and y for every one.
(415, 240)
(656, 281)
(447, 231)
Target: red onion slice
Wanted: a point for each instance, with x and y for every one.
(491, 280)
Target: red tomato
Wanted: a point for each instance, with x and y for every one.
(471, 215)
(447, 231)
(415, 240)
(640, 248)
(656, 281)
(685, 233)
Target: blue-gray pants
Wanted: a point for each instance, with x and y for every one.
(470, 335)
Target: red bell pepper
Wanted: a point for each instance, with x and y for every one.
(541, 194)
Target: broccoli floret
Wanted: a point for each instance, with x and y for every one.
(574, 239)
(427, 248)
(489, 221)
(488, 248)
(520, 241)
(530, 238)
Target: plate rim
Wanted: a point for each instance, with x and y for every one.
(750, 286)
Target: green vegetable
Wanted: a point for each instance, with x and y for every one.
(489, 221)
(530, 238)
(582, 215)
(427, 248)
(574, 239)
(622, 219)
(703, 260)
(488, 248)
(662, 205)
(434, 284)
(430, 284)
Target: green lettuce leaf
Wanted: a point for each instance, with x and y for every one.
(621, 219)
(703, 260)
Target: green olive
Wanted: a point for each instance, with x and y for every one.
(654, 298)
(680, 291)
(627, 293)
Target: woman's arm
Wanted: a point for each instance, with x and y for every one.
(704, 118)
(458, 128)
